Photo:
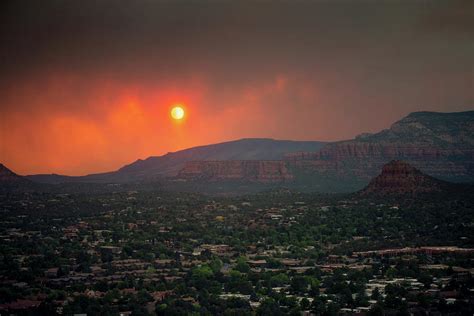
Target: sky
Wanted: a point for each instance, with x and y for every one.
(87, 86)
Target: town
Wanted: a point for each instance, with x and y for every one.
(278, 252)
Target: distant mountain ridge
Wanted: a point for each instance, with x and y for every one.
(442, 129)
(439, 144)
(243, 149)
(170, 164)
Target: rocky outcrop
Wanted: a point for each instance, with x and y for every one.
(363, 160)
(264, 171)
(400, 178)
(439, 144)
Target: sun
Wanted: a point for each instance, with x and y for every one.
(177, 112)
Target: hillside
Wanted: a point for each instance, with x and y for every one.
(7, 176)
(170, 164)
(11, 181)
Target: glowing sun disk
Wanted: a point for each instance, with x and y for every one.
(177, 112)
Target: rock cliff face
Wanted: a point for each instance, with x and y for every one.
(400, 178)
(169, 165)
(241, 170)
(439, 144)
(365, 159)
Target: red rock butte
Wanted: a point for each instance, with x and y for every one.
(399, 177)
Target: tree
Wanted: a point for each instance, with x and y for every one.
(202, 272)
(319, 305)
(361, 299)
(269, 307)
(279, 280)
(304, 303)
(391, 273)
(375, 294)
(216, 265)
(299, 284)
(242, 265)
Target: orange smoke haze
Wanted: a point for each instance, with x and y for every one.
(77, 125)
(73, 126)
(87, 86)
